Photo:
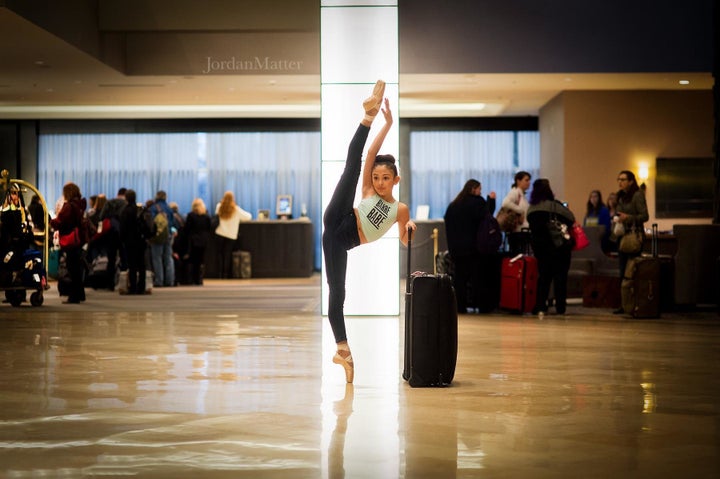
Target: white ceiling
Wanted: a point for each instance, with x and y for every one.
(43, 76)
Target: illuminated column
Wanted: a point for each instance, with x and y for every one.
(359, 45)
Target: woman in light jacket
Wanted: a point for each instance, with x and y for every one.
(515, 200)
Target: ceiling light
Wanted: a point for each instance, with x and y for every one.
(684, 82)
(455, 106)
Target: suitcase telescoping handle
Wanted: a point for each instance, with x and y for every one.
(654, 241)
(409, 248)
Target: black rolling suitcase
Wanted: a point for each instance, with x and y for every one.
(431, 332)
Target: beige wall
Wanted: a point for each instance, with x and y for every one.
(588, 137)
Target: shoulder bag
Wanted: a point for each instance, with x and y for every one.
(581, 239)
(631, 242)
(508, 219)
(558, 230)
(71, 240)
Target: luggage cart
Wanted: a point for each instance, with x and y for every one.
(22, 267)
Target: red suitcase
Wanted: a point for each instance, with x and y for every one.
(518, 283)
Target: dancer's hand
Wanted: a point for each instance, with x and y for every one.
(386, 112)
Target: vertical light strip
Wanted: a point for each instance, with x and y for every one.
(359, 45)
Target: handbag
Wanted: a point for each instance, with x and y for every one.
(558, 230)
(618, 229)
(508, 220)
(631, 243)
(581, 239)
(71, 240)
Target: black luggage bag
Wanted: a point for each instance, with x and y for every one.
(431, 332)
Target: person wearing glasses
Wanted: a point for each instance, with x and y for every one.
(631, 212)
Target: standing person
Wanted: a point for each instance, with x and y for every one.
(612, 204)
(179, 245)
(197, 231)
(97, 203)
(161, 242)
(71, 216)
(515, 200)
(114, 206)
(230, 215)
(611, 246)
(597, 214)
(111, 210)
(37, 214)
(178, 219)
(462, 219)
(134, 232)
(38, 218)
(553, 261)
(632, 212)
(347, 227)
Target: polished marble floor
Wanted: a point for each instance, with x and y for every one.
(234, 379)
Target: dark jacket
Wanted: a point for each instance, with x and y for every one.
(198, 229)
(113, 207)
(70, 216)
(538, 217)
(635, 208)
(461, 224)
(131, 233)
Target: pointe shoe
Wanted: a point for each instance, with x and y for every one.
(372, 104)
(347, 364)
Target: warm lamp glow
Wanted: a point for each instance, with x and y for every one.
(643, 172)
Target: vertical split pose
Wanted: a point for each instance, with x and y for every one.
(347, 227)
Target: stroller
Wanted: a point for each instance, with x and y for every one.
(22, 252)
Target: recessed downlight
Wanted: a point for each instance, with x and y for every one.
(684, 82)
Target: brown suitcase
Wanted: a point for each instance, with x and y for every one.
(640, 288)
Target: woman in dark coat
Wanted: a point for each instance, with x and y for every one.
(71, 215)
(553, 261)
(462, 219)
(198, 231)
(632, 212)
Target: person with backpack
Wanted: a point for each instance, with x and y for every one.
(161, 242)
(463, 219)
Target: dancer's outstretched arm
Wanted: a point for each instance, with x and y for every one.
(367, 186)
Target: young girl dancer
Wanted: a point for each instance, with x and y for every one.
(347, 227)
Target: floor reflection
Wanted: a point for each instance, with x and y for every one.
(229, 392)
(342, 409)
(361, 420)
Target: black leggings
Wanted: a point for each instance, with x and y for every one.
(341, 233)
